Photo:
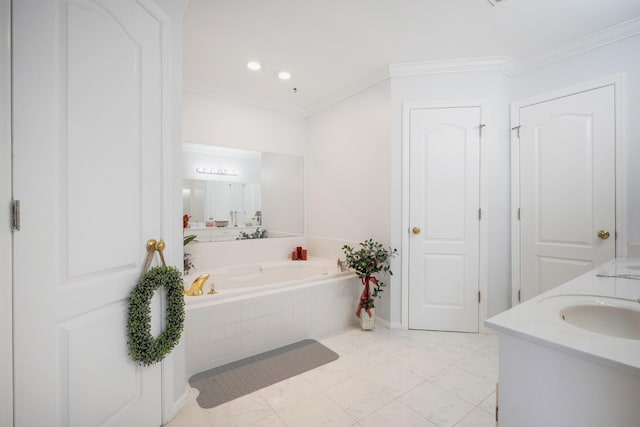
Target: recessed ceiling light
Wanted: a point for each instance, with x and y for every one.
(253, 65)
(284, 75)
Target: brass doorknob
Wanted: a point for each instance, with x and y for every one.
(416, 230)
(603, 234)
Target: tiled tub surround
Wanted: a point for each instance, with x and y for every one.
(222, 330)
(555, 373)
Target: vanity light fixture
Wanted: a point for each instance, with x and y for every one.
(254, 65)
(284, 75)
(223, 172)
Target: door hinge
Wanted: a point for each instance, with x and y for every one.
(517, 129)
(519, 300)
(479, 214)
(480, 130)
(518, 214)
(15, 215)
(479, 299)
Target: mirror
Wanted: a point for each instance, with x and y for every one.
(233, 194)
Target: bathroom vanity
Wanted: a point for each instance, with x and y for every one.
(571, 356)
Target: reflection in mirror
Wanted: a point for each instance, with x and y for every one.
(212, 201)
(229, 193)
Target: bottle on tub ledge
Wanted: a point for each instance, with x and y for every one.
(299, 254)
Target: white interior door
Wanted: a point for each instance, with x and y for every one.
(567, 188)
(444, 205)
(87, 168)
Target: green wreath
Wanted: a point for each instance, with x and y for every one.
(143, 347)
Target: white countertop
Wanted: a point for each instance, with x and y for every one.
(538, 319)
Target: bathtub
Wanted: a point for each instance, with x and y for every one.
(234, 281)
(260, 307)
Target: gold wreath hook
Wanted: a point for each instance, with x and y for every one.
(160, 245)
(151, 245)
(151, 248)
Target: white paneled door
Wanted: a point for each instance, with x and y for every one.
(88, 121)
(567, 188)
(444, 218)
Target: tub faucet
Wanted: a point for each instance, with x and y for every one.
(213, 289)
(196, 286)
(342, 264)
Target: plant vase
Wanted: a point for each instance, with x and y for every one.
(367, 319)
(366, 310)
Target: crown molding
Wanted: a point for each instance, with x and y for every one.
(589, 42)
(497, 63)
(504, 64)
(379, 75)
(202, 89)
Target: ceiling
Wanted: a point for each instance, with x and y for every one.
(329, 44)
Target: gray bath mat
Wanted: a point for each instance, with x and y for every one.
(228, 382)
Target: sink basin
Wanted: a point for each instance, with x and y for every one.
(612, 316)
(605, 318)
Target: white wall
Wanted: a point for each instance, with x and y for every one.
(620, 57)
(492, 87)
(210, 120)
(349, 174)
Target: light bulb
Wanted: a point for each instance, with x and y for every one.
(284, 75)
(253, 65)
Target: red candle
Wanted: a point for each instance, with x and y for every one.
(304, 255)
(299, 250)
(294, 255)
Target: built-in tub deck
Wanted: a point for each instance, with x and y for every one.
(260, 307)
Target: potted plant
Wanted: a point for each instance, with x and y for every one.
(370, 258)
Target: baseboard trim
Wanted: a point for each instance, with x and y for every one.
(181, 401)
(389, 325)
(383, 322)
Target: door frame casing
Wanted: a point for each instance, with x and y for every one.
(619, 83)
(407, 107)
(6, 238)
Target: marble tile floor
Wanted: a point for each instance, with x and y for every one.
(386, 377)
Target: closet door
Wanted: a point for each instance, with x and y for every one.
(567, 188)
(444, 218)
(88, 121)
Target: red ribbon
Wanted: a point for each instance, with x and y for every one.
(366, 294)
